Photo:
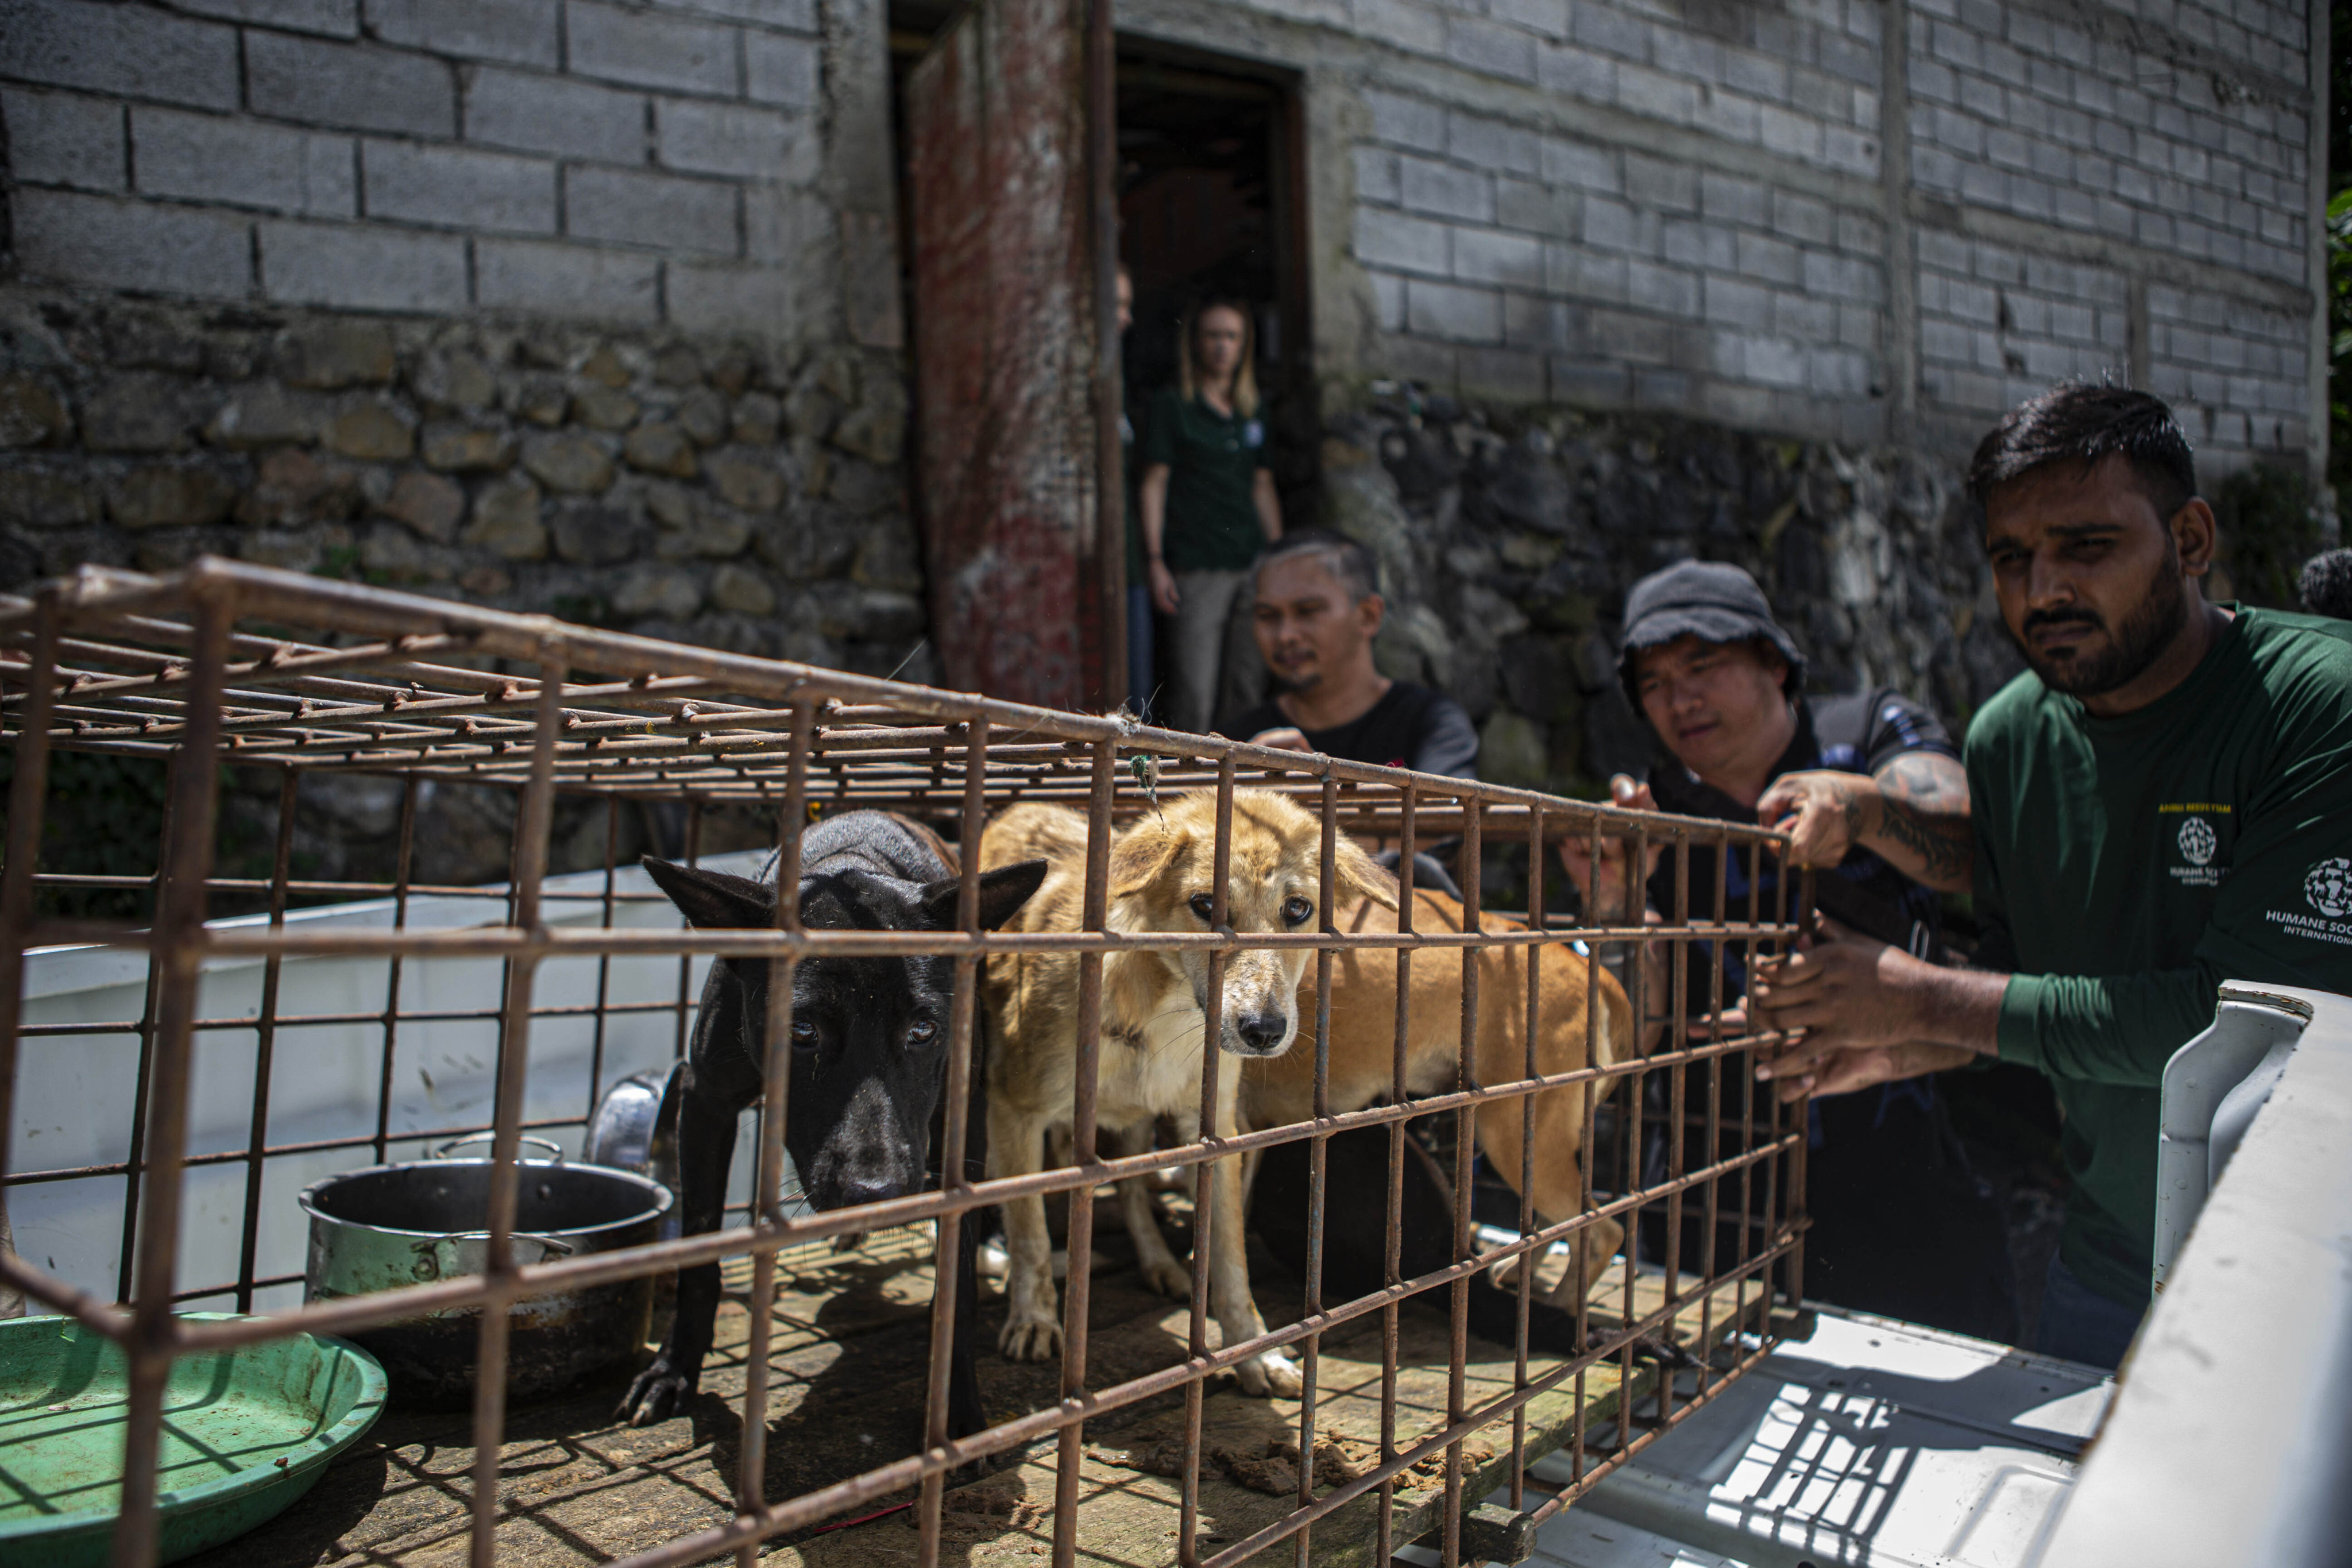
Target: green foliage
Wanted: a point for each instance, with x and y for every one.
(2268, 531)
(104, 817)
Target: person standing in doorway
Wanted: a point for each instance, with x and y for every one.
(1207, 500)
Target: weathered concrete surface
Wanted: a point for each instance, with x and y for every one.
(1708, 210)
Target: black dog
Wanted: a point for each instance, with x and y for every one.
(869, 1061)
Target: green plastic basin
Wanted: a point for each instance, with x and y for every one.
(245, 1432)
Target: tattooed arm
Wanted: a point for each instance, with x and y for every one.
(1923, 820)
(1913, 812)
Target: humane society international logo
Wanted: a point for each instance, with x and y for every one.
(2199, 843)
(2328, 888)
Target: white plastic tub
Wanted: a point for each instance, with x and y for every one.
(76, 1092)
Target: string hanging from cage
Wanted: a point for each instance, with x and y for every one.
(1144, 766)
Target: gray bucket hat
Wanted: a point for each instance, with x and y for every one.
(1709, 600)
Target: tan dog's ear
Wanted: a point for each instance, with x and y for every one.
(1359, 875)
(1141, 855)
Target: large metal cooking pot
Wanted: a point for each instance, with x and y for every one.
(427, 1220)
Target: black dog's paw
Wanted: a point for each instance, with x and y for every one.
(659, 1392)
(1665, 1353)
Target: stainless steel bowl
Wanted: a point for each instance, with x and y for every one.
(409, 1224)
(636, 1128)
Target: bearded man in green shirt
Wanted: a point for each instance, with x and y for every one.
(2162, 801)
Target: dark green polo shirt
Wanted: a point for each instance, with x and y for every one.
(1213, 462)
(2126, 867)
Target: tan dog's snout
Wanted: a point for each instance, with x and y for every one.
(1260, 1014)
(1260, 1017)
(1262, 1034)
(1163, 878)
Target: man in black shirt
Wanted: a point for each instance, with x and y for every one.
(1319, 608)
(1871, 790)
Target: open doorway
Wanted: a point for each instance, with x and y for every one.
(1208, 207)
(1209, 203)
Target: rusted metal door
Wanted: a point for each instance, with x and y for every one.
(1006, 351)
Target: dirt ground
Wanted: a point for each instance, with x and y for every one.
(849, 1359)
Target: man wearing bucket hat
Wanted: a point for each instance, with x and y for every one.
(1870, 790)
(1869, 785)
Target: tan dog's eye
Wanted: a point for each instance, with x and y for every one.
(1296, 912)
(1204, 905)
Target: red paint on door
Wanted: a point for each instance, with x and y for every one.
(1004, 346)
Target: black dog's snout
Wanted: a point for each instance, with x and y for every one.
(1262, 1031)
(869, 1190)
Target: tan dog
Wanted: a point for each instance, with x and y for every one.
(1153, 1020)
(1363, 1046)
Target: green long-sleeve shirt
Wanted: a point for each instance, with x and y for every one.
(2126, 866)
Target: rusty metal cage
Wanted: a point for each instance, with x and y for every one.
(232, 675)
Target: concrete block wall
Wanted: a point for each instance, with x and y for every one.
(1862, 223)
(2242, 367)
(1997, 324)
(2165, 145)
(639, 164)
(1636, 244)
(1864, 220)
(1550, 267)
(2018, 113)
(558, 305)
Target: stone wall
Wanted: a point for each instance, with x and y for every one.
(728, 493)
(1508, 541)
(732, 493)
(555, 305)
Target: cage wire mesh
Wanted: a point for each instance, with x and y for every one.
(253, 690)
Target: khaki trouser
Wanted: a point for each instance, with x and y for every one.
(1196, 636)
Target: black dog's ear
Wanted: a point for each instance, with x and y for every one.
(1001, 893)
(713, 900)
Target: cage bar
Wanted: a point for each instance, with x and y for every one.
(224, 670)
